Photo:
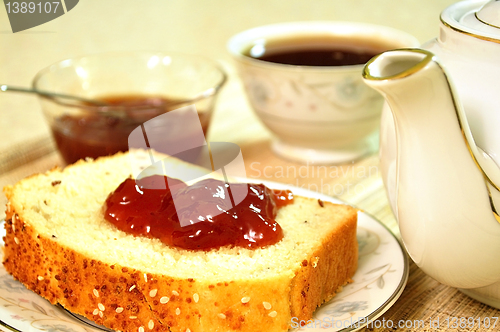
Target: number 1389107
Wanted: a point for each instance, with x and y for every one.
(31, 7)
(462, 322)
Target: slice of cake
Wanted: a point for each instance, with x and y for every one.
(59, 245)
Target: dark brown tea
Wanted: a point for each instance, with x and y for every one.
(319, 57)
(316, 51)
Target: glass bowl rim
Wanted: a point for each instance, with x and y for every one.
(204, 94)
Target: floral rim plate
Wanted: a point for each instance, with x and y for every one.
(379, 281)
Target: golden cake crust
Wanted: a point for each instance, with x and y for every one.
(127, 299)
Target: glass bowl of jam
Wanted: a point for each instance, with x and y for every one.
(130, 89)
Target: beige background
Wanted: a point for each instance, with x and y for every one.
(203, 27)
(191, 26)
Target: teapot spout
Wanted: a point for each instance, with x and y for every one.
(445, 199)
(385, 72)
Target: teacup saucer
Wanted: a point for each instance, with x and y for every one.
(330, 156)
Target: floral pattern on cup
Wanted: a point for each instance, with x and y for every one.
(344, 99)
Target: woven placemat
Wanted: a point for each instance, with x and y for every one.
(27, 152)
(424, 303)
(20, 161)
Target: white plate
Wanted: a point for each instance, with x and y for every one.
(379, 281)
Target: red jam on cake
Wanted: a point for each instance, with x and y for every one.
(214, 222)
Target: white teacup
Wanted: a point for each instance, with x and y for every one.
(318, 114)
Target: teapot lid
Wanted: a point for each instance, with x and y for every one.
(489, 14)
(478, 18)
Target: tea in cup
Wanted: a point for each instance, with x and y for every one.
(303, 80)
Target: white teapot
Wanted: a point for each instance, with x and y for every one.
(440, 147)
